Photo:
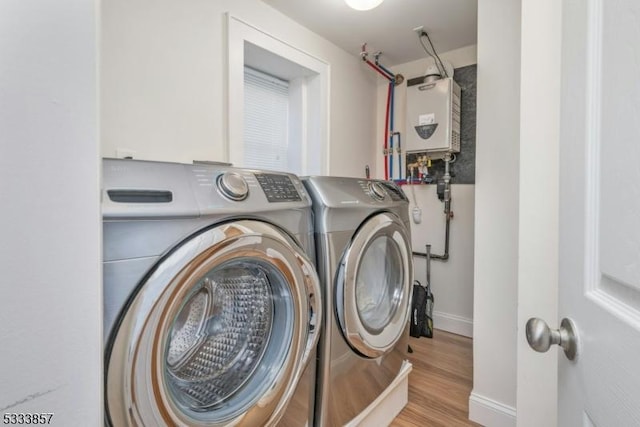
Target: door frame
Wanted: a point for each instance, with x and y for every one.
(537, 373)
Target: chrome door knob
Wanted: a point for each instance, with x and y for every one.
(541, 337)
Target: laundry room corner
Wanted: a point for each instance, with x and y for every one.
(319, 213)
(451, 280)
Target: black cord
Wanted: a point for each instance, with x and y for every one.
(434, 51)
(430, 54)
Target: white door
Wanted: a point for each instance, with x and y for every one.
(599, 223)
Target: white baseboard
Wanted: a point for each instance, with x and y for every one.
(451, 323)
(389, 404)
(490, 413)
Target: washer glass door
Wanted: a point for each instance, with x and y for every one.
(373, 285)
(219, 331)
(221, 335)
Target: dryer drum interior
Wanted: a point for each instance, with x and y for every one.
(221, 324)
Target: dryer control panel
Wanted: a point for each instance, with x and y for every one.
(278, 188)
(239, 190)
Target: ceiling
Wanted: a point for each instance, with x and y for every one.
(451, 24)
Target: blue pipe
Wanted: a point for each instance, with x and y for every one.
(399, 150)
(392, 83)
(391, 157)
(386, 70)
(399, 155)
(377, 69)
(392, 88)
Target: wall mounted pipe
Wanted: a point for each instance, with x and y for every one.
(392, 90)
(377, 69)
(399, 151)
(386, 135)
(388, 156)
(389, 120)
(390, 133)
(427, 252)
(399, 78)
(385, 69)
(402, 171)
(391, 157)
(445, 255)
(447, 212)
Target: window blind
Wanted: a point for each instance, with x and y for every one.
(266, 121)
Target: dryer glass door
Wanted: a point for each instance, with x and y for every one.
(373, 285)
(219, 331)
(379, 283)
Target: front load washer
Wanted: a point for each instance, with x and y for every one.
(211, 304)
(366, 270)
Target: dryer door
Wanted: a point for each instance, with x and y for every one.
(373, 285)
(218, 333)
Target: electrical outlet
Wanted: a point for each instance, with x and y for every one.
(419, 30)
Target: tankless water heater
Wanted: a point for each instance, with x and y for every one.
(433, 117)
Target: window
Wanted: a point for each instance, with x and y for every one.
(266, 122)
(277, 103)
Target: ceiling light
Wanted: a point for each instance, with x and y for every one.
(363, 4)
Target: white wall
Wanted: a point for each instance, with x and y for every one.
(164, 84)
(493, 399)
(452, 281)
(50, 295)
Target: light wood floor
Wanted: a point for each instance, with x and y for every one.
(440, 383)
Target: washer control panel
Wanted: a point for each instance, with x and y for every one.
(394, 191)
(233, 186)
(278, 188)
(373, 189)
(376, 191)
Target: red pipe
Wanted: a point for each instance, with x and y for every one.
(391, 79)
(386, 135)
(375, 67)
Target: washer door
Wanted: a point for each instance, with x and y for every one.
(373, 285)
(218, 333)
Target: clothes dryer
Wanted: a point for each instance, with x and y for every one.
(365, 266)
(212, 305)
